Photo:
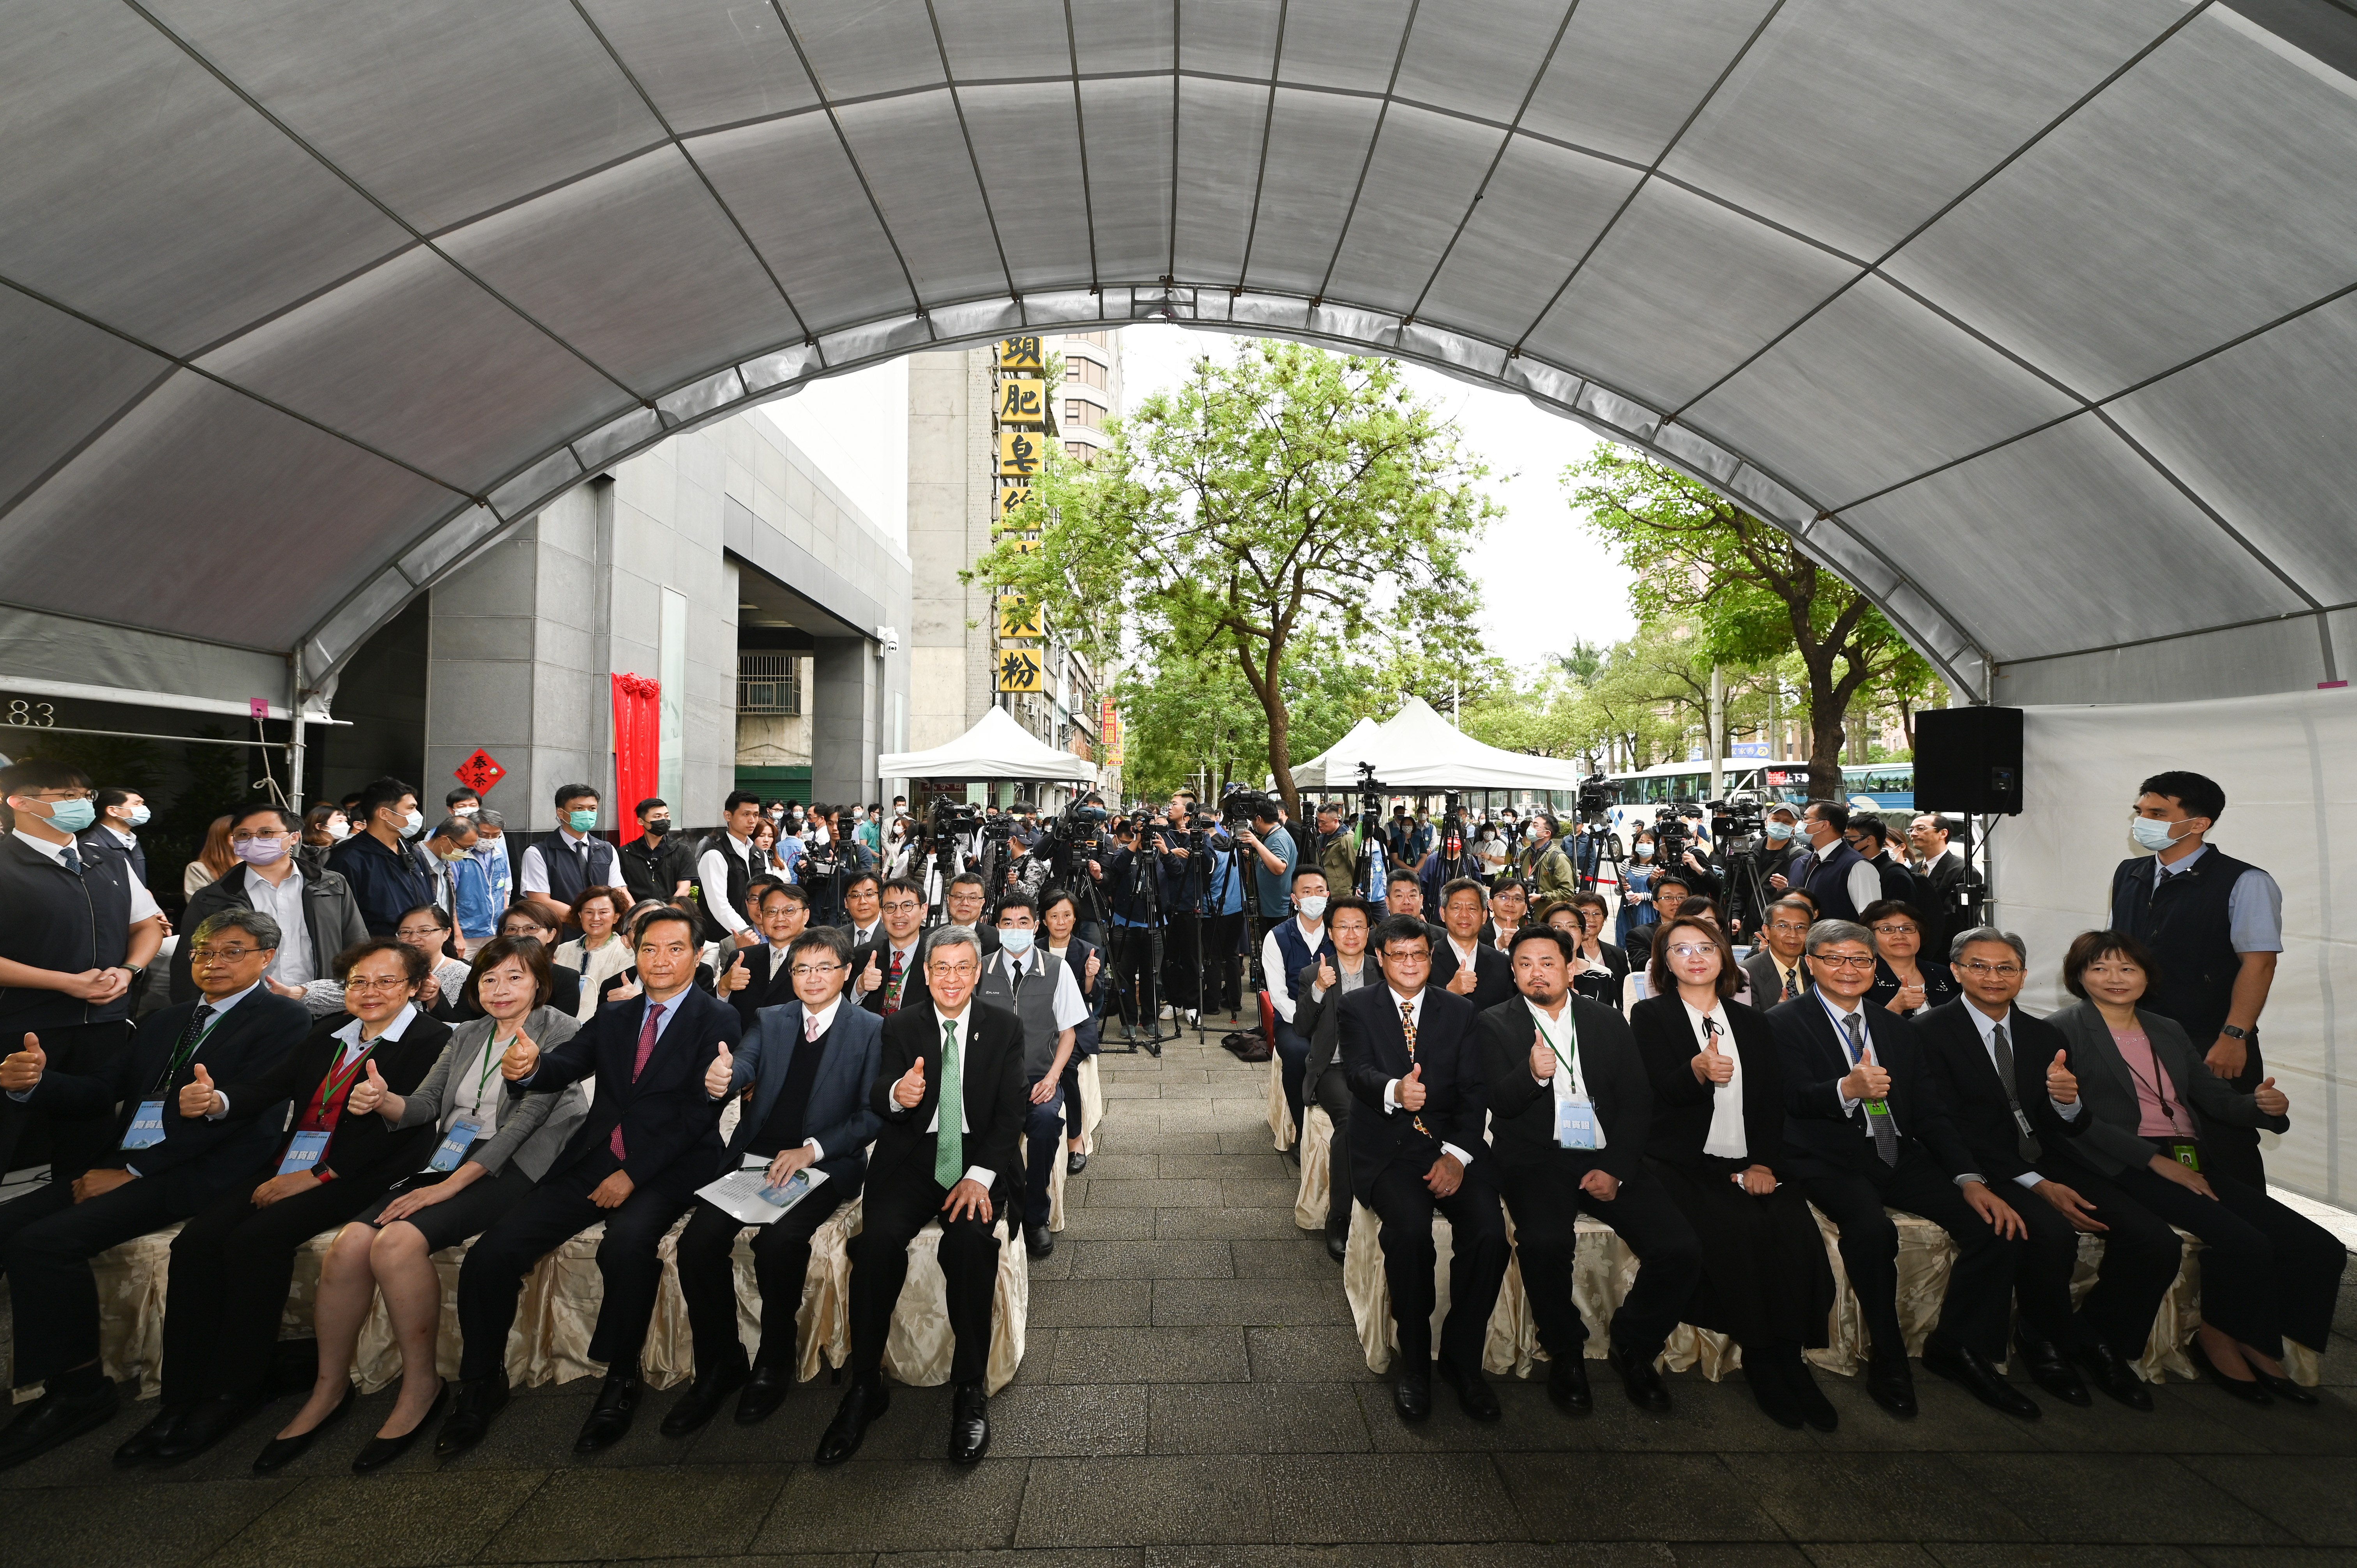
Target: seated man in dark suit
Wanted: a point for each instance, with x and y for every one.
(2022, 1141)
(805, 1069)
(163, 1167)
(950, 1093)
(755, 977)
(888, 974)
(1777, 969)
(1462, 962)
(1571, 1108)
(1415, 1144)
(651, 1140)
(1868, 1129)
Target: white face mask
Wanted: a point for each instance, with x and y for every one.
(340, 832)
(2152, 835)
(1313, 906)
(1015, 939)
(1641, 851)
(465, 808)
(414, 826)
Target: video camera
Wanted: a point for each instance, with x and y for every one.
(1737, 824)
(1240, 807)
(1598, 796)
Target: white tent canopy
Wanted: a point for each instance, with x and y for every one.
(997, 747)
(1415, 748)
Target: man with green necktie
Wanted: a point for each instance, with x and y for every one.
(949, 1090)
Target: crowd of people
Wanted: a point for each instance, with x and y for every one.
(407, 1039)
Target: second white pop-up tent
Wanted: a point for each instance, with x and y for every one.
(996, 748)
(1417, 750)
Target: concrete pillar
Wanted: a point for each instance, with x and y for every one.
(845, 687)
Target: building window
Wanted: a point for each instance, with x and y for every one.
(1088, 373)
(768, 683)
(1081, 450)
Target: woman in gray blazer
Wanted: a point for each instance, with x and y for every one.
(1317, 992)
(2147, 1099)
(492, 1151)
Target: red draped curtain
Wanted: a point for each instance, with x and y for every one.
(638, 746)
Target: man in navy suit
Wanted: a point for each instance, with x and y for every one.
(1412, 1060)
(160, 1167)
(804, 1071)
(652, 1138)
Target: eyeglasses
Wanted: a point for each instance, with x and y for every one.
(255, 838)
(965, 970)
(223, 955)
(1897, 929)
(361, 982)
(53, 795)
(421, 933)
(1690, 949)
(1832, 961)
(2002, 971)
(812, 971)
(902, 906)
(1788, 926)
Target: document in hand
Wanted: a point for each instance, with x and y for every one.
(747, 1195)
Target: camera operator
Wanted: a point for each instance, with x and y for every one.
(1137, 878)
(1686, 849)
(1956, 888)
(1182, 836)
(1271, 848)
(1223, 911)
(1781, 824)
(1547, 864)
(1334, 849)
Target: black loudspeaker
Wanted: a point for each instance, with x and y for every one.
(1969, 760)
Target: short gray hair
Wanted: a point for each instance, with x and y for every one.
(486, 818)
(953, 936)
(253, 922)
(1964, 940)
(1826, 933)
(453, 829)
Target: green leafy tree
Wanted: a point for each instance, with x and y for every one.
(1744, 586)
(1279, 494)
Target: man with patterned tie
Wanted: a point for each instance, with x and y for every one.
(1413, 1061)
(1868, 1129)
(652, 1138)
(885, 976)
(951, 1095)
(1777, 969)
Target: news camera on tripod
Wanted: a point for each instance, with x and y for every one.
(1064, 851)
(1452, 853)
(1140, 874)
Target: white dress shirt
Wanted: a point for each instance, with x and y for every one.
(143, 903)
(531, 876)
(1725, 1138)
(295, 965)
(1841, 1035)
(1562, 1035)
(712, 876)
(1415, 1005)
(1273, 967)
(983, 1174)
(1069, 1008)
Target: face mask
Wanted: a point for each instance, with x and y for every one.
(657, 826)
(1015, 939)
(261, 850)
(414, 826)
(138, 816)
(72, 816)
(465, 808)
(1643, 850)
(1532, 833)
(340, 832)
(582, 821)
(2151, 834)
(452, 856)
(1314, 906)
(1779, 832)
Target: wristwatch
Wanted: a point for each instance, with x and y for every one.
(2231, 1033)
(136, 969)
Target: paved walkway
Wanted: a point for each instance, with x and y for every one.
(1194, 1397)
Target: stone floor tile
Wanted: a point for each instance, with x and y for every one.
(1304, 1259)
(1091, 1304)
(130, 1523)
(1273, 1301)
(380, 1521)
(694, 1510)
(2122, 1497)
(1258, 1417)
(2313, 1496)
(1148, 1260)
(1633, 1496)
(1322, 1354)
(1204, 1354)
(1159, 1501)
(1873, 1496)
(1227, 1225)
(1070, 1420)
(921, 1505)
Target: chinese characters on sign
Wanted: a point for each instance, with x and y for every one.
(480, 772)
(1019, 669)
(1022, 401)
(1021, 357)
(1020, 453)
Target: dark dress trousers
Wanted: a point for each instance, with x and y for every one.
(671, 1144)
(2140, 1251)
(1831, 1151)
(793, 1088)
(1319, 1020)
(47, 1239)
(1391, 1152)
(1542, 1179)
(903, 1196)
(1765, 1280)
(231, 1263)
(2268, 1272)
(1493, 973)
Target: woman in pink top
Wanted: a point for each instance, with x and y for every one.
(2146, 1101)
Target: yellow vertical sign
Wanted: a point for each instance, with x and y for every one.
(1021, 356)
(1020, 453)
(1019, 618)
(1019, 669)
(1022, 400)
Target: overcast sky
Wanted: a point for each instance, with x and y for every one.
(1546, 581)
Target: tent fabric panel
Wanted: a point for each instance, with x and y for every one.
(1316, 145)
(1347, 44)
(92, 376)
(1230, 38)
(705, 62)
(2209, 191)
(1543, 207)
(1425, 174)
(884, 46)
(1134, 37)
(2283, 654)
(178, 224)
(1011, 38)
(1129, 134)
(913, 151)
(1220, 127)
(791, 185)
(1483, 71)
(1629, 72)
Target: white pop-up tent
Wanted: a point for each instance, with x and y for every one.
(1415, 748)
(996, 748)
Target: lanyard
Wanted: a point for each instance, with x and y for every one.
(182, 1057)
(340, 1080)
(1571, 1022)
(491, 1055)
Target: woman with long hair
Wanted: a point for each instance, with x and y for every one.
(212, 862)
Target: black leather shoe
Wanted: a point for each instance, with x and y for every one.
(1890, 1384)
(2051, 1370)
(1971, 1372)
(2248, 1390)
(704, 1399)
(609, 1418)
(1038, 1241)
(1644, 1386)
(379, 1451)
(969, 1424)
(1412, 1392)
(764, 1394)
(2284, 1387)
(471, 1410)
(862, 1402)
(1771, 1385)
(1338, 1241)
(1474, 1395)
(207, 1425)
(1075, 1163)
(2106, 1369)
(280, 1452)
(54, 1419)
(140, 1447)
(1567, 1385)
(1816, 1410)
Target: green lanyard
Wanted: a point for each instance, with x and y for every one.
(1571, 1022)
(339, 1080)
(182, 1057)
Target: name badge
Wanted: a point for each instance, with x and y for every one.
(1876, 1107)
(2185, 1154)
(303, 1153)
(147, 1128)
(2021, 1120)
(1575, 1123)
(462, 1135)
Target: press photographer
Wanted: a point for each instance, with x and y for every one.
(1141, 876)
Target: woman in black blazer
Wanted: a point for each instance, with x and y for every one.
(1061, 916)
(232, 1264)
(1908, 981)
(1600, 967)
(2267, 1272)
(1317, 992)
(1717, 1147)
